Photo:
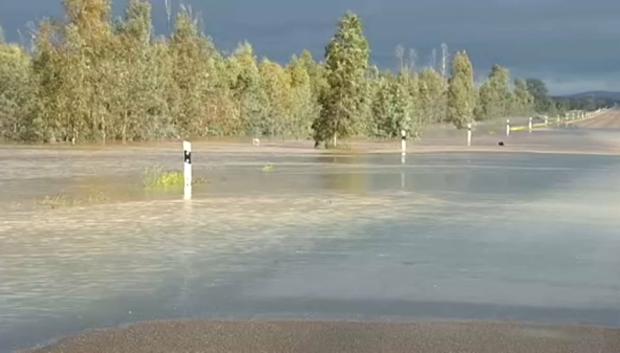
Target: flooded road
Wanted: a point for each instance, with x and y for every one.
(483, 236)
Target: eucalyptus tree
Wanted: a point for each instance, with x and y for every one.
(495, 94)
(346, 65)
(16, 92)
(462, 93)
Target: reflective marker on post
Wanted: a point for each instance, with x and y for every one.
(469, 135)
(187, 169)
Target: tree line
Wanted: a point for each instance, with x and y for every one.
(89, 78)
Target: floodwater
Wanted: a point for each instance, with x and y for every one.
(482, 236)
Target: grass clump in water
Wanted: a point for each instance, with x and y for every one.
(269, 168)
(156, 178)
(59, 201)
(56, 201)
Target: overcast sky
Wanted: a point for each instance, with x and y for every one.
(572, 44)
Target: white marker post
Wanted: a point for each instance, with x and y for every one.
(546, 120)
(507, 127)
(531, 125)
(187, 169)
(403, 147)
(469, 135)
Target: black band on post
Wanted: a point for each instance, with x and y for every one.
(187, 157)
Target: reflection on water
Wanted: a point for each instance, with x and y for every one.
(462, 236)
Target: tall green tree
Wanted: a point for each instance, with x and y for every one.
(382, 109)
(277, 86)
(139, 101)
(538, 90)
(495, 96)
(432, 96)
(316, 72)
(16, 93)
(346, 61)
(305, 107)
(415, 121)
(392, 107)
(249, 91)
(49, 70)
(193, 71)
(224, 113)
(462, 93)
(523, 102)
(89, 39)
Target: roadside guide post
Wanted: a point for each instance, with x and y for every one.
(508, 127)
(187, 170)
(531, 125)
(469, 135)
(403, 146)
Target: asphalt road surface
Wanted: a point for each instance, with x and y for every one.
(607, 120)
(341, 337)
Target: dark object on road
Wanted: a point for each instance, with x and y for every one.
(501, 143)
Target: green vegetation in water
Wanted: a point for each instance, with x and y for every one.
(269, 168)
(59, 201)
(156, 178)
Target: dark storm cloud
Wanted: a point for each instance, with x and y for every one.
(571, 44)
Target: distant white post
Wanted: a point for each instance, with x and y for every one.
(546, 120)
(469, 135)
(508, 127)
(403, 141)
(531, 125)
(187, 169)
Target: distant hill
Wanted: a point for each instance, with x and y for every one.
(591, 100)
(596, 95)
